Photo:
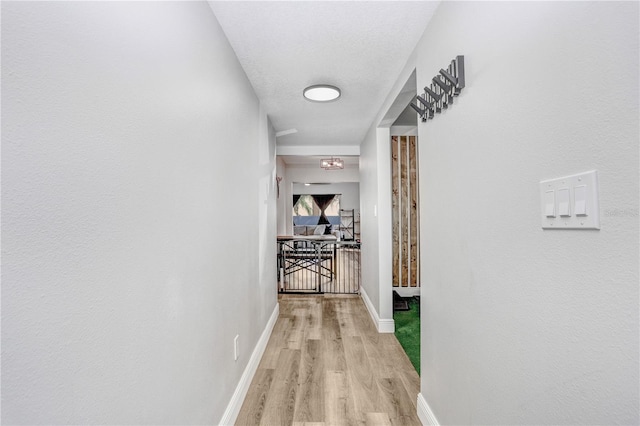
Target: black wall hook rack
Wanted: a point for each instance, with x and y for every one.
(443, 88)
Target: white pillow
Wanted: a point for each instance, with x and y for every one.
(319, 230)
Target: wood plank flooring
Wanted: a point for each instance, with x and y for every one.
(326, 364)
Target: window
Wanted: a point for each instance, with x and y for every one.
(306, 210)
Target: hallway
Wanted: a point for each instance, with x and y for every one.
(326, 364)
(151, 153)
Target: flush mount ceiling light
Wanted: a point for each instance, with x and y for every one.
(321, 93)
(332, 163)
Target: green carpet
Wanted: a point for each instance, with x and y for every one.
(408, 332)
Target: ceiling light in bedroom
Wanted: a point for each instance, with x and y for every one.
(321, 93)
(332, 163)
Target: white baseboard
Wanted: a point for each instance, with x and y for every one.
(425, 414)
(383, 325)
(233, 408)
(408, 291)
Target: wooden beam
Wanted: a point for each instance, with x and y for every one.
(395, 210)
(404, 211)
(413, 211)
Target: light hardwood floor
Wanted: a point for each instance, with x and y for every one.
(326, 364)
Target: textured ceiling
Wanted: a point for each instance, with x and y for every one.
(285, 46)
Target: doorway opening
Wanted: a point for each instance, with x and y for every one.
(406, 227)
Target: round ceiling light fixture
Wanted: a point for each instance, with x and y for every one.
(321, 93)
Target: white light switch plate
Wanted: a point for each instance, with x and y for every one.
(583, 211)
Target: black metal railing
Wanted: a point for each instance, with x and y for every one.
(318, 266)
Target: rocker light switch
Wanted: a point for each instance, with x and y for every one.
(563, 202)
(580, 194)
(550, 203)
(570, 202)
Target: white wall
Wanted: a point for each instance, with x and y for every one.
(349, 192)
(309, 174)
(134, 248)
(404, 130)
(375, 199)
(369, 222)
(375, 223)
(284, 223)
(521, 325)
